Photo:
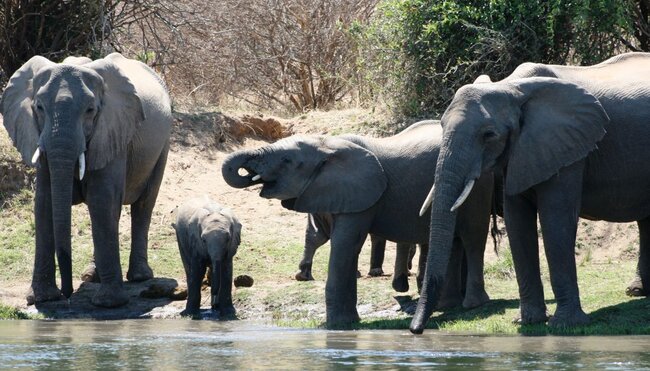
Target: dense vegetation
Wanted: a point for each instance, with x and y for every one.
(301, 55)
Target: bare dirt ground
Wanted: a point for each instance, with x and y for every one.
(198, 146)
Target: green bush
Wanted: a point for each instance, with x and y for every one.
(442, 45)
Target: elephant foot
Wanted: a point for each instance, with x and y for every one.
(569, 318)
(194, 313)
(110, 296)
(227, 312)
(376, 272)
(304, 276)
(401, 283)
(90, 274)
(139, 273)
(474, 301)
(39, 293)
(635, 288)
(341, 320)
(528, 315)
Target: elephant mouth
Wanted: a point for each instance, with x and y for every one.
(268, 186)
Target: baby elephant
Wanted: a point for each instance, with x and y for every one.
(208, 236)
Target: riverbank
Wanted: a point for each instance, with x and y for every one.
(272, 241)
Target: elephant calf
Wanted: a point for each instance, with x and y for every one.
(208, 236)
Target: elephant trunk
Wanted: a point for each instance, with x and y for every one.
(61, 167)
(215, 283)
(231, 166)
(449, 183)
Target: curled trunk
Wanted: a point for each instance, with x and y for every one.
(230, 169)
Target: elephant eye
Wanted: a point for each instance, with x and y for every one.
(489, 135)
(90, 110)
(39, 107)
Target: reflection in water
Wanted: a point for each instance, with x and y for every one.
(186, 344)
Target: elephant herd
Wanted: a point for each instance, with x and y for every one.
(548, 143)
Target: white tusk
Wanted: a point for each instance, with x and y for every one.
(37, 154)
(82, 165)
(256, 178)
(427, 201)
(312, 221)
(463, 195)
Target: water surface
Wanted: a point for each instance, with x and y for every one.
(187, 344)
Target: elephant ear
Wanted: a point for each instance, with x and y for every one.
(121, 112)
(350, 179)
(235, 236)
(560, 124)
(16, 106)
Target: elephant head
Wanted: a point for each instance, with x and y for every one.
(68, 116)
(529, 128)
(314, 174)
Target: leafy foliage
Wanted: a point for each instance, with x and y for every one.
(446, 44)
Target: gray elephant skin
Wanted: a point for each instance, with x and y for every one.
(318, 231)
(369, 185)
(208, 235)
(98, 133)
(571, 142)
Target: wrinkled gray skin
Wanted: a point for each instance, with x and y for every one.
(369, 185)
(317, 233)
(117, 112)
(571, 141)
(208, 235)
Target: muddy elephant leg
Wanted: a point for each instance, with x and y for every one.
(226, 309)
(104, 199)
(317, 234)
(642, 277)
(559, 201)
(472, 278)
(141, 210)
(377, 251)
(194, 272)
(401, 274)
(341, 287)
(521, 225)
(43, 287)
(451, 295)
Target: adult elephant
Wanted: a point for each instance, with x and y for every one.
(571, 141)
(369, 185)
(317, 233)
(98, 133)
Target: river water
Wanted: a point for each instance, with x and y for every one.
(187, 344)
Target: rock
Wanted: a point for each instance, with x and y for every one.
(244, 281)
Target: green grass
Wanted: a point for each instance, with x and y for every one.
(7, 312)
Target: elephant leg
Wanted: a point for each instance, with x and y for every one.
(226, 309)
(450, 296)
(316, 235)
(521, 225)
(377, 251)
(43, 287)
(422, 264)
(341, 286)
(141, 210)
(401, 273)
(409, 262)
(559, 201)
(642, 277)
(104, 199)
(194, 272)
